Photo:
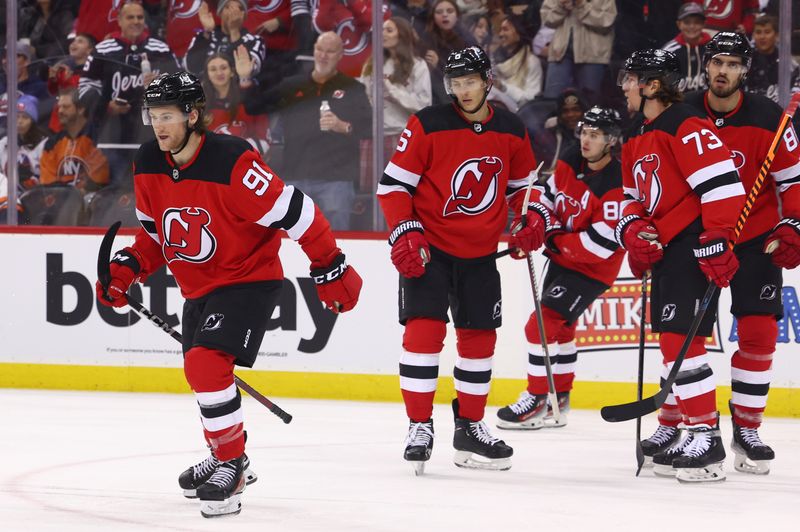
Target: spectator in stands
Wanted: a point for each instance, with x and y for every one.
(731, 15)
(98, 18)
(517, 72)
(416, 12)
(321, 154)
(763, 75)
(480, 28)
(643, 24)
(581, 48)
(66, 74)
(182, 23)
(27, 82)
(444, 33)
(773, 8)
(47, 23)
(71, 156)
(689, 47)
(224, 102)
(406, 88)
(225, 38)
(30, 145)
(558, 134)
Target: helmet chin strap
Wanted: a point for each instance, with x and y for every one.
(186, 137)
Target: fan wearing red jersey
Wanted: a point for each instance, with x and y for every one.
(213, 210)
(747, 123)
(583, 198)
(445, 194)
(683, 197)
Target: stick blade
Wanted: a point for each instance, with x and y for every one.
(629, 411)
(104, 254)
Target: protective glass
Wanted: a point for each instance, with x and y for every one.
(733, 66)
(463, 83)
(591, 132)
(163, 116)
(624, 77)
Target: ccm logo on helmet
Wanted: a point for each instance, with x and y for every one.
(186, 235)
(474, 186)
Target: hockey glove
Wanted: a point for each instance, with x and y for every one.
(410, 251)
(638, 269)
(528, 236)
(716, 258)
(124, 268)
(338, 285)
(784, 244)
(640, 239)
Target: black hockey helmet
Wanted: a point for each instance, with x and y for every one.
(181, 88)
(729, 43)
(472, 60)
(652, 64)
(605, 119)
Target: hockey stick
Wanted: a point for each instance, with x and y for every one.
(104, 275)
(537, 306)
(628, 411)
(640, 374)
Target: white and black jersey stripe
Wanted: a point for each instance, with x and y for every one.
(398, 179)
(149, 225)
(299, 7)
(787, 177)
(716, 182)
(418, 372)
(598, 239)
(293, 212)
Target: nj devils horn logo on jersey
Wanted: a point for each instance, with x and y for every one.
(567, 209)
(185, 8)
(738, 158)
(645, 175)
(186, 235)
(474, 186)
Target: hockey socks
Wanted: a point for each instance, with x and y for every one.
(473, 372)
(695, 387)
(751, 368)
(423, 340)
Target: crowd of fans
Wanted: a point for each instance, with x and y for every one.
(295, 78)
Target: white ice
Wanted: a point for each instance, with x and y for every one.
(109, 461)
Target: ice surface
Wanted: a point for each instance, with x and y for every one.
(110, 461)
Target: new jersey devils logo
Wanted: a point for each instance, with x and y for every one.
(474, 186)
(354, 39)
(567, 209)
(186, 235)
(185, 8)
(648, 184)
(265, 7)
(719, 9)
(738, 158)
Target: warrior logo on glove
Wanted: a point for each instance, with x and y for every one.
(645, 174)
(474, 186)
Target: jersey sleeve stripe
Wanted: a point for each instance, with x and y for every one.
(402, 175)
(783, 186)
(593, 247)
(631, 193)
(724, 192)
(306, 218)
(280, 208)
(791, 173)
(545, 197)
(710, 173)
(389, 184)
(149, 225)
(600, 232)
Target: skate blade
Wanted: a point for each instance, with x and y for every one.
(528, 424)
(753, 467)
(419, 468)
(230, 506)
(695, 475)
(190, 494)
(663, 470)
(249, 476)
(552, 423)
(469, 460)
(648, 462)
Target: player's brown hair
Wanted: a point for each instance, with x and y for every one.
(667, 94)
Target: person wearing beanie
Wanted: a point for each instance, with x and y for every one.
(30, 139)
(689, 47)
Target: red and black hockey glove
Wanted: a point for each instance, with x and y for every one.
(638, 269)
(410, 251)
(716, 258)
(784, 244)
(640, 240)
(124, 268)
(338, 285)
(528, 235)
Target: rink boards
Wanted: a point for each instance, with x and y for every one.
(53, 334)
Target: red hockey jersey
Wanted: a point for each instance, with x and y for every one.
(587, 204)
(260, 11)
(748, 131)
(183, 21)
(217, 219)
(452, 174)
(676, 169)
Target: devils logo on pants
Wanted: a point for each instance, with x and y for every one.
(567, 209)
(186, 235)
(474, 186)
(648, 184)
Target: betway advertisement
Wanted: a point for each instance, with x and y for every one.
(49, 315)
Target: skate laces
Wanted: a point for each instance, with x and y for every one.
(224, 475)
(701, 441)
(479, 430)
(525, 402)
(420, 434)
(751, 437)
(662, 435)
(683, 443)
(205, 467)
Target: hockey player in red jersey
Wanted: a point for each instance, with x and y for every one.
(213, 210)
(445, 194)
(747, 123)
(582, 198)
(683, 197)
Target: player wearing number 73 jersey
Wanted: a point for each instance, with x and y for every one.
(213, 211)
(683, 197)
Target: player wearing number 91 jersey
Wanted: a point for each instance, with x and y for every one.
(213, 211)
(683, 197)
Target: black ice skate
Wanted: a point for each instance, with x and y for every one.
(220, 494)
(475, 446)
(419, 444)
(702, 459)
(662, 460)
(528, 413)
(661, 440)
(198, 474)
(563, 409)
(751, 454)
